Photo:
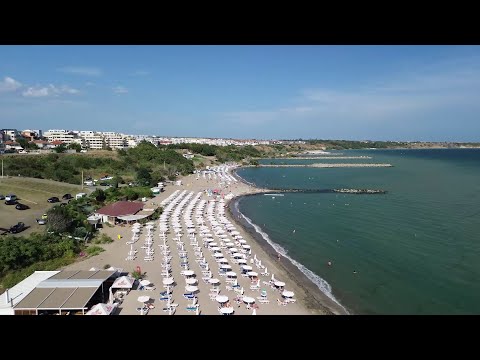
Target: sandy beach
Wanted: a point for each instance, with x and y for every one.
(309, 299)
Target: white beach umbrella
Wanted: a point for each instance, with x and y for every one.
(227, 267)
(143, 299)
(168, 281)
(252, 273)
(279, 283)
(191, 281)
(233, 250)
(231, 274)
(189, 273)
(190, 288)
(218, 255)
(145, 282)
(213, 281)
(248, 299)
(246, 246)
(247, 268)
(288, 294)
(226, 310)
(242, 241)
(221, 298)
(242, 261)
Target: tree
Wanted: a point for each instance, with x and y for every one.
(75, 146)
(58, 220)
(60, 148)
(144, 178)
(99, 195)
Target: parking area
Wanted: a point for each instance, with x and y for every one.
(33, 193)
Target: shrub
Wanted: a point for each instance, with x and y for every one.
(106, 266)
(94, 250)
(102, 239)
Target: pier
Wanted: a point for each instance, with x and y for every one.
(319, 157)
(324, 165)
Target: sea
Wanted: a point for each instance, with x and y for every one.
(414, 250)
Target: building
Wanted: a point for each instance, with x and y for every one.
(10, 134)
(57, 292)
(65, 136)
(121, 210)
(29, 135)
(93, 141)
(115, 140)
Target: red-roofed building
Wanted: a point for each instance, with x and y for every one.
(40, 143)
(110, 212)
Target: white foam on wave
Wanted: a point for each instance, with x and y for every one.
(242, 179)
(317, 280)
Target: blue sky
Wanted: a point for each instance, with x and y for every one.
(428, 93)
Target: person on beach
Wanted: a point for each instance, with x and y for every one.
(278, 257)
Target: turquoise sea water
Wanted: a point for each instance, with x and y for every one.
(415, 250)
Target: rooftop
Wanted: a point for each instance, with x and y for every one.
(121, 208)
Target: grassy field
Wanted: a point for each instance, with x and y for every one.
(34, 193)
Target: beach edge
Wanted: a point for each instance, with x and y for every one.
(315, 301)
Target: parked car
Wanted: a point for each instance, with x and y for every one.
(53, 199)
(17, 228)
(11, 197)
(106, 177)
(22, 207)
(41, 221)
(2, 197)
(67, 197)
(10, 202)
(103, 184)
(44, 217)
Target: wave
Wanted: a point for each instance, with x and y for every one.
(323, 285)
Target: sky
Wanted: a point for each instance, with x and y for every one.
(399, 93)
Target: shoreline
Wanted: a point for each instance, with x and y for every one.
(314, 298)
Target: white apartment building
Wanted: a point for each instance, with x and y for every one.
(65, 136)
(93, 141)
(115, 140)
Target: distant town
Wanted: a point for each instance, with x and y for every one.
(39, 141)
(13, 140)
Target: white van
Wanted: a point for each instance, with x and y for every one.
(11, 197)
(80, 195)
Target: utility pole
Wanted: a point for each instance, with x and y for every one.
(82, 179)
(2, 168)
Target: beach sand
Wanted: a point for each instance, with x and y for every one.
(309, 299)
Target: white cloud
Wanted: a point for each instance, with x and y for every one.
(47, 91)
(9, 84)
(428, 91)
(80, 70)
(120, 90)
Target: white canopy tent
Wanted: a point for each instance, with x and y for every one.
(101, 309)
(123, 282)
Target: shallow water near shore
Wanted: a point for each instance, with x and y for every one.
(415, 250)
